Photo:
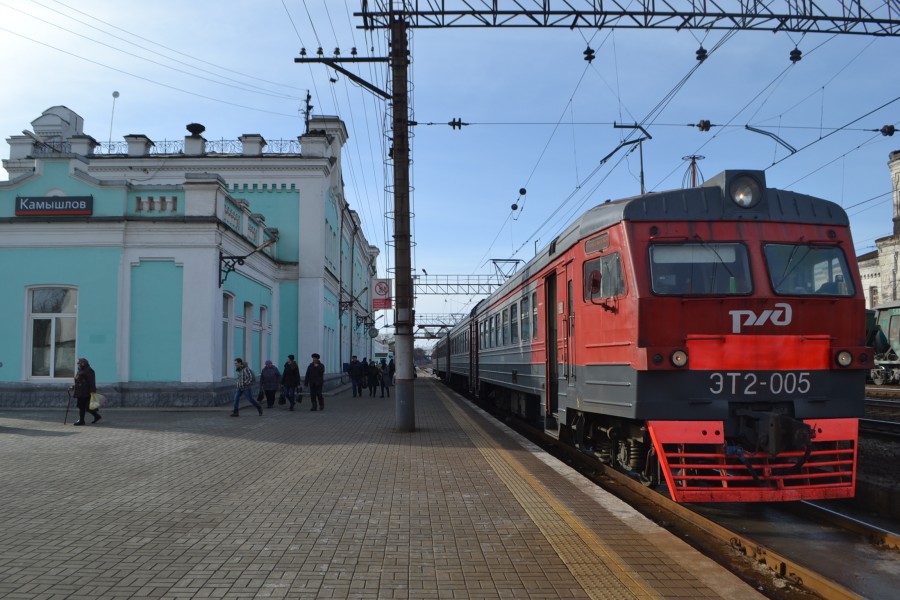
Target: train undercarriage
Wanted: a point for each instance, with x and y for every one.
(758, 454)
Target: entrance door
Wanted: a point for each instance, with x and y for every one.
(551, 338)
(474, 343)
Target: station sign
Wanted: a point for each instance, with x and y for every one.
(38, 206)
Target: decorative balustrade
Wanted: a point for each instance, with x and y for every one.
(172, 147)
(156, 204)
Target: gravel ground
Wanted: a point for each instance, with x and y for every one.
(879, 463)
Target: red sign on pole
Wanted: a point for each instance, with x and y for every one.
(381, 294)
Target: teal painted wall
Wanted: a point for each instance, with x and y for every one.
(287, 318)
(109, 201)
(281, 206)
(93, 271)
(156, 303)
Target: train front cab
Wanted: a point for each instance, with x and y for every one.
(750, 390)
(778, 360)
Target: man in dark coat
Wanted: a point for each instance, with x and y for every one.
(357, 372)
(290, 380)
(315, 379)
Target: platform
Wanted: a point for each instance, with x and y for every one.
(190, 503)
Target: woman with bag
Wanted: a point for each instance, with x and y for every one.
(85, 385)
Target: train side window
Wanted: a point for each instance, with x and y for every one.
(603, 277)
(514, 323)
(534, 315)
(505, 326)
(526, 333)
(491, 331)
(699, 269)
(807, 270)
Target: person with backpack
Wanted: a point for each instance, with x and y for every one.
(244, 380)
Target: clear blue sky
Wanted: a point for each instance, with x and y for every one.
(541, 117)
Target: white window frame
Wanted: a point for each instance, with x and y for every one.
(29, 333)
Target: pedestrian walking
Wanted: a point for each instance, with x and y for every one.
(244, 380)
(373, 377)
(385, 379)
(357, 373)
(270, 381)
(290, 380)
(315, 379)
(85, 385)
(392, 368)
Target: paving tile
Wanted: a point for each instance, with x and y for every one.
(188, 503)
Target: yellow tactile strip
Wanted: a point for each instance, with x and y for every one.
(596, 567)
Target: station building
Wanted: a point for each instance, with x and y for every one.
(880, 268)
(162, 262)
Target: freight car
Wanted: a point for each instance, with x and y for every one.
(885, 338)
(707, 337)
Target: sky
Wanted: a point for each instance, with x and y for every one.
(539, 116)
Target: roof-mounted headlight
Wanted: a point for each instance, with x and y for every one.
(744, 191)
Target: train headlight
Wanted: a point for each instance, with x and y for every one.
(744, 191)
(679, 358)
(844, 358)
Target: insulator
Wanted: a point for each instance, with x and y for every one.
(514, 206)
(353, 51)
(589, 54)
(888, 130)
(337, 51)
(795, 55)
(302, 51)
(704, 125)
(319, 51)
(701, 53)
(522, 191)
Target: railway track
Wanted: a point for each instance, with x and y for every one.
(787, 575)
(882, 408)
(883, 430)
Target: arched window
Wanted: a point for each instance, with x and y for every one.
(53, 324)
(247, 350)
(227, 333)
(264, 330)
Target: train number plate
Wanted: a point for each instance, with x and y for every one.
(742, 383)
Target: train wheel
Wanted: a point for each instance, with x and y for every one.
(878, 376)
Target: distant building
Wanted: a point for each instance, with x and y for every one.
(161, 262)
(880, 269)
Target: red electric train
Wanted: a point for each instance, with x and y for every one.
(712, 337)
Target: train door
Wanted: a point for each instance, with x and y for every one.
(473, 355)
(551, 342)
(569, 324)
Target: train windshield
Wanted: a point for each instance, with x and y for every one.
(805, 270)
(700, 269)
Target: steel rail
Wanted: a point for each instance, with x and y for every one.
(877, 535)
(780, 565)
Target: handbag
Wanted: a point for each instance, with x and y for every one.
(261, 395)
(97, 401)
